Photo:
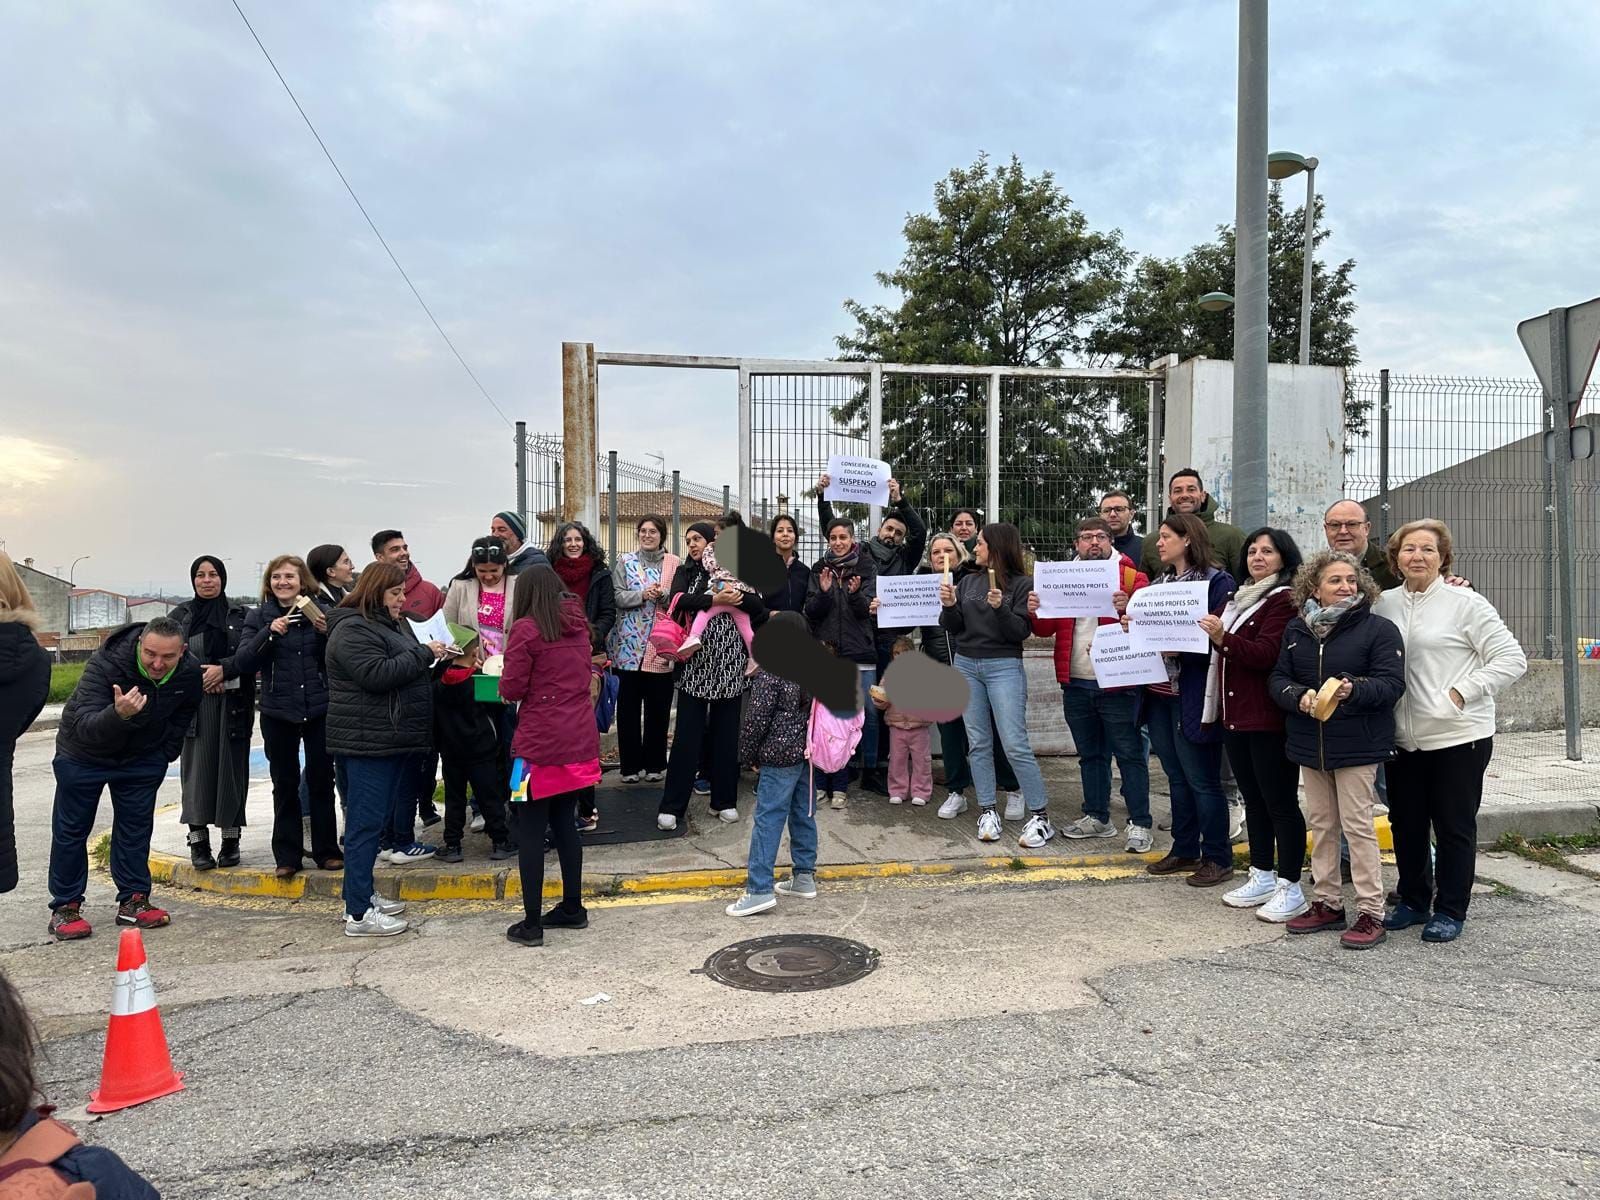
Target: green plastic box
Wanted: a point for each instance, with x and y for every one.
(486, 688)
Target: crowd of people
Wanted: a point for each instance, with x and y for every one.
(1367, 674)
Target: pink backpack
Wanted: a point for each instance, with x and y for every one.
(831, 739)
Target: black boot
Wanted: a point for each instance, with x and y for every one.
(200, 849)
(228, 856)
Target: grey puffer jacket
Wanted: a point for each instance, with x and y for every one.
(380, 694)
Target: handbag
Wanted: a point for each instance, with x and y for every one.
(603, 688)
(666, 635)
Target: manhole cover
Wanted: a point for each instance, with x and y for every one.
(790, 962)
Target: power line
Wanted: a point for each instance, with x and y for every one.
(470, 373)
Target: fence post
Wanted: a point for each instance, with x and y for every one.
(1383, 457)
(522, 472)
(746, 487)
(1547, 582)
(1152, 475)
(611, 482)
(875, 434)
(677, 510)
(725, 504)
(579, 425)
(992, 440)
(1557, 398)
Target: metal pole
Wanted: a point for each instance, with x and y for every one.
(992, 493)
(1248, 500)
(875, 434)
(611, 488)
(1547, 582)
(579, 426)
(1383, 457)
(1305, 276)
(746, 434)
(677, 510)
(725, 505)
(522, 472)
(1561, 420)
(1152, 433)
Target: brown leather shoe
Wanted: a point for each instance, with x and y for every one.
(1172, 865)
(286, 872)
(1367, 932)
(1209, 875)
(1318, 917)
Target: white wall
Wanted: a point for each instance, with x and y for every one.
(1305, 439)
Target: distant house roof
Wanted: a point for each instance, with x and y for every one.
(631, 506)
(29, 567)
(78, 591)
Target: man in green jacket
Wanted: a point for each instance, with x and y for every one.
(1348, 528)
(1187, 494)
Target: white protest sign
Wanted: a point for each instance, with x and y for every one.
(905, 601)
(1117, 663)
(1081, 588)
(1166, 616)
(857, 480)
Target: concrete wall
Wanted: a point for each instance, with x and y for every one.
(1305, 415)
(1534, 701)
(49, 597)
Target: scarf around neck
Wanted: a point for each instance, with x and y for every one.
(1321, 619)
(651, 558)
(208, 619)
(845, 561)
(1257, 589)
(575, 574)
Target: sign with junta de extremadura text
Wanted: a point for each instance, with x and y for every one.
(1167, 617)
(857, 480)
(907, 601)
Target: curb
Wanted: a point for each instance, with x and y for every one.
(505, 883)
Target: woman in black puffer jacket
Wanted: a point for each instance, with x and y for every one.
(286, 639)
(380, 716)
(1337, 636)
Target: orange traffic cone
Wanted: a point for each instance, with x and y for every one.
(137, 1066)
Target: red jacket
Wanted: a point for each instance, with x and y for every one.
(555, 725)
(1061, 628)
(1246, 657)
(422, 598)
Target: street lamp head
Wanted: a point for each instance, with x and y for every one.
(1283, 163)
(1215, 301)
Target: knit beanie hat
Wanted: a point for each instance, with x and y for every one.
(515, 523)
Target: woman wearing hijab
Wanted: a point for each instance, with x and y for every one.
(643, 580)
(215, 766)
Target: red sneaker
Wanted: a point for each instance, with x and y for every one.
(1367, 932)
(67, 924)
(1318, 917)
(138, 911)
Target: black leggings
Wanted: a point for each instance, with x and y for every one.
(560, 814)
(1438, 790)
(642, 744)
(1269, 783)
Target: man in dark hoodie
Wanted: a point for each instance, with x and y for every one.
(1187, 494)
(123, 724)
(896, 550)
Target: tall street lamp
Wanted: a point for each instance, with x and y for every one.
(1281, 164)
(1215, 302)
(73, 570)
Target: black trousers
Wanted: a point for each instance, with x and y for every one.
(1438, 790)
(713, 724)
(490, 788)
(1269, 783)
(282, 741)
(643, 744)
(559, 813)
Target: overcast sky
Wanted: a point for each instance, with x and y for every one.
(204, 349)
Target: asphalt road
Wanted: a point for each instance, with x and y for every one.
(1019, 1039)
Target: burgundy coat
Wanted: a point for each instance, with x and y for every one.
(555, 725)
(1247, 656)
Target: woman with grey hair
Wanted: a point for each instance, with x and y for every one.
(1339, 675)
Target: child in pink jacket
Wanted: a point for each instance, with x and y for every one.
(910, 753)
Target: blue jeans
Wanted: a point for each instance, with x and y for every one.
(133, 810)
(867, 750)
(377, 786)
(1194, 778)
(1105, 725)
(782, 797)
(998, 694)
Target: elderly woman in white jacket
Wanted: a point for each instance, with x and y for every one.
(1459, 653)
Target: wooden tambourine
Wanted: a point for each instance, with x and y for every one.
(1327, 699)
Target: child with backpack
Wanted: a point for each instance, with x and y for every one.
(786, 733)
(39, 1156)
(468, 739)
(910, 749)
(833, 787)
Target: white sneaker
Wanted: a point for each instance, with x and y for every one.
(373, 924)
(634, 778)
(918, 801)
(748, 905)
(1015, 809)
(988, 826)
(1380, 809)
(822, 797)
(729, 815)
(1089, 827)
(476, 824)
(655, 776)
(1139, 839)
(1287, 901)
(389, 908)
(1236, 832)
(954, 805)
(897, 799)
(802, 884)
(838, 799)
(1257, 889)
(1036, 832)
(666, 821)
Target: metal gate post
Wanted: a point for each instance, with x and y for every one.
(875, 435)
(1383, 458)
(677, 510)
(1567, 627)
(992, 441)
(746, 489)
(1152, 433)
(611, 481)
(522, 472)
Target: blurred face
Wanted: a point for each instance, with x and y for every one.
(1420, 557)
(489, 574)
(649, 536)
(159, 654)
(964, 526)
(394, 600)
(499, 529)
(943, 554)
(783, 537)
(1185, 494)
(892, 532)
(342, 573)
(1174, 550)
(397, 552)
(1263, 558)
(285, 583)
(1117, 513)
(1338, 582)
(694, 543)
(981, 552)
(207, 583)
(840, 539)
(1347, 528)
(1093, 543)
(572, 544)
